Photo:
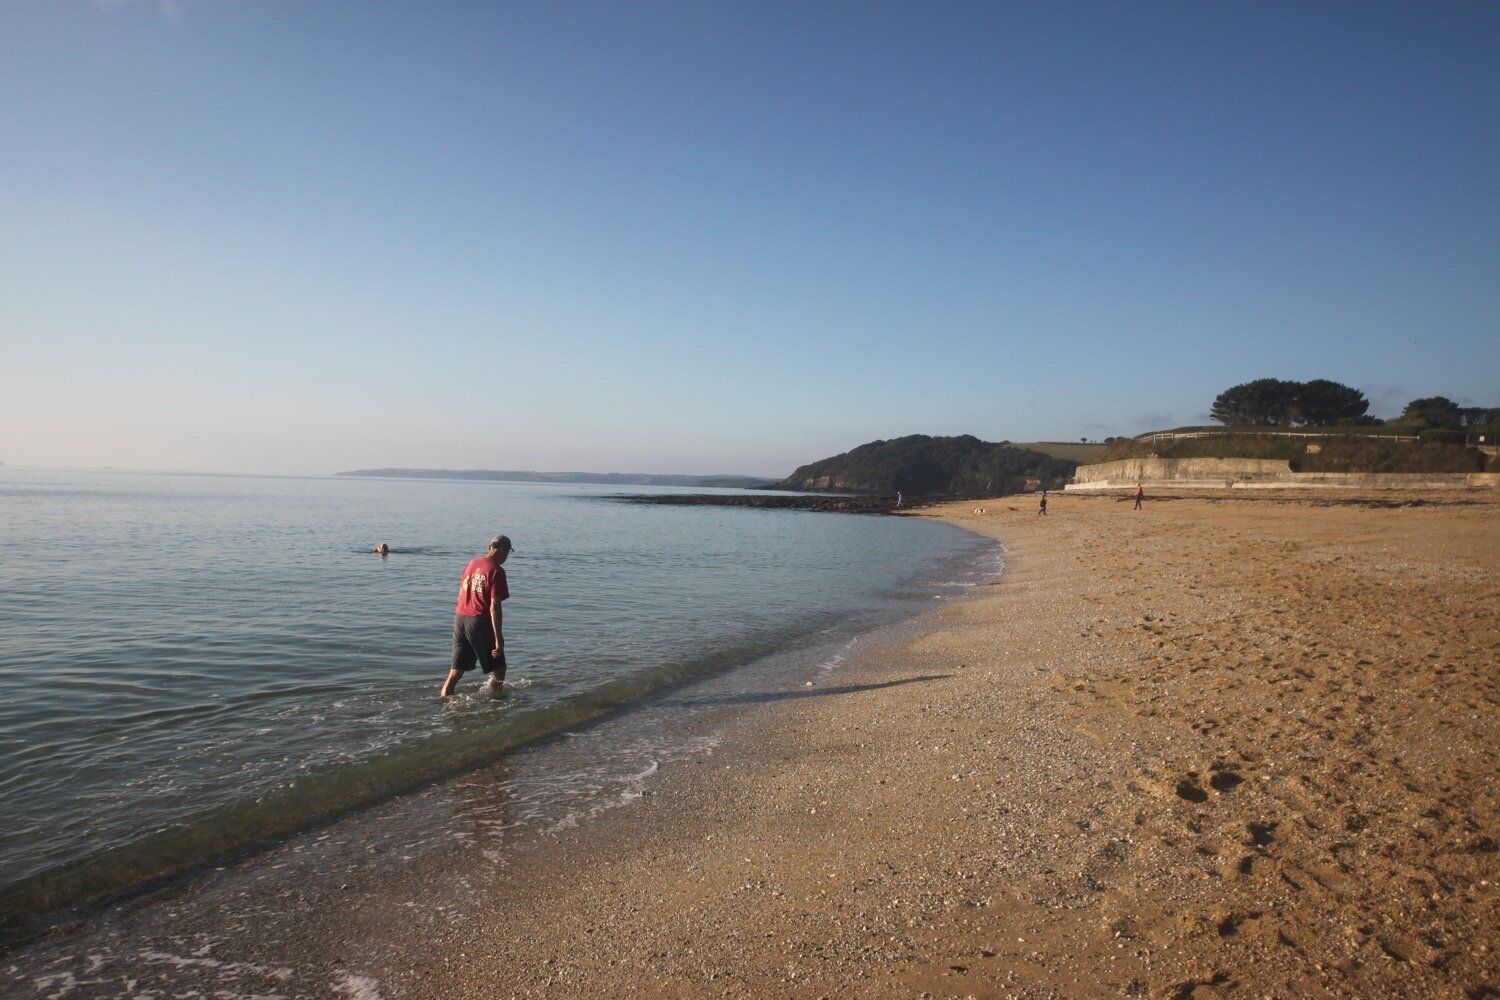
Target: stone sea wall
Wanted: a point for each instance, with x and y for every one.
(1257, 473)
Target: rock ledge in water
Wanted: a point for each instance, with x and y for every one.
(802, 501)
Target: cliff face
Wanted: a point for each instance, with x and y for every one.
(919, 464)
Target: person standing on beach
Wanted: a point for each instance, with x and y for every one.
(1042, 510)
(477, 636)
(1140, 492)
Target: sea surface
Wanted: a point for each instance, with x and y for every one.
(193, 664)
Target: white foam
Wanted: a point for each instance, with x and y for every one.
(358, 987)
(233, 968)
(634, 788)
(66, 980)
(837, 660)
(649, 772)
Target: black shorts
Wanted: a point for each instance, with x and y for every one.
(474, 641)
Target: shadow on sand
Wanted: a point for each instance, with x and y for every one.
(755, 697)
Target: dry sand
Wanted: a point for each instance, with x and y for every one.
(1216, 747)
(1237, 747)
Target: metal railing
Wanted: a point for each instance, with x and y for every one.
(1184, 435)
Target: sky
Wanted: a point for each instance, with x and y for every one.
(309, 236)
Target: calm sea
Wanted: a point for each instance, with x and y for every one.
(189, 664)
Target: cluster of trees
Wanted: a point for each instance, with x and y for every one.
(919, 464)
(1441, 413)
(1274, 402)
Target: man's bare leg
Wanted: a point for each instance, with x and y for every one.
(450, 683)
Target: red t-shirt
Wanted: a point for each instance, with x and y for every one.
(483, 582)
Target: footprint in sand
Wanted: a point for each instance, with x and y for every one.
(1189, 789)
(1260, 834)
(1221, 780)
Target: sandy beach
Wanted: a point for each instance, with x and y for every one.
(1216, 747)
(1219, 747)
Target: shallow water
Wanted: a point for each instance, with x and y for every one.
(189, 664)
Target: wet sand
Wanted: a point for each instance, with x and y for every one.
(1222, 746)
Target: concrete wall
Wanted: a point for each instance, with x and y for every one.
(1222, 470)
(1256, 473)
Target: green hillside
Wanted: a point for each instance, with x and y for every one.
(921, 465)
(1081, 452)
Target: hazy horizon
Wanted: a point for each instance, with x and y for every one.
(466, 469)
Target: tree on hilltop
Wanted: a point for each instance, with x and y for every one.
(1480, 416)
(1434, 412)
(1321, 403)
(1265, 402)
(1274, 402)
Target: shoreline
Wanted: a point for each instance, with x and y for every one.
(1212, 748)
(1221, 749)
(207, 771)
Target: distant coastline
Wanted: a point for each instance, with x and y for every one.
(596, 478)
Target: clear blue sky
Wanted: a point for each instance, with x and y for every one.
(305, 236)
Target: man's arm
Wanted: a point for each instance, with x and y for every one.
(496, 616)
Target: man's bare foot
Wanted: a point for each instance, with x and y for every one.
(495, 688)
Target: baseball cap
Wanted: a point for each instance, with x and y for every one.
(501, 542)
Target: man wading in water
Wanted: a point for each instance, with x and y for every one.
(477, 636)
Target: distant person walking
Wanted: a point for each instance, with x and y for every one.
(898, 498)
(477, 636)
(1042, 510)
(1139, 493)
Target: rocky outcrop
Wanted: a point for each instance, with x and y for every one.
(919, 465)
